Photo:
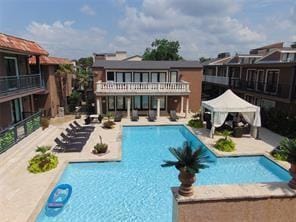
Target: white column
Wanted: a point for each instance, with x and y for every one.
(99, 108)
(128, 107)
(187, 106)
(158, 107)
(182, 105)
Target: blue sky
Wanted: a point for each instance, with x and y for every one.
(203, 27)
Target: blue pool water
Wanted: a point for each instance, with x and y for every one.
(138, 188)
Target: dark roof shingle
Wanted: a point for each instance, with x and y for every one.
(108, 64)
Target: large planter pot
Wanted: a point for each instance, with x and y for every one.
(292, 182)
(187, 179)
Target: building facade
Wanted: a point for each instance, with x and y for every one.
(18, 83)
(147, 85)
(51, 98)
(265, 77)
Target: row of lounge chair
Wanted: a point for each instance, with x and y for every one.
(152, 115)
(75, 138)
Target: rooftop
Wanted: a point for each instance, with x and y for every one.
(49, 60)
(146, 64)
(16, 44)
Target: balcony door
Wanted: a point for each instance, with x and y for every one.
(251, 78)
(260, 80)
(272, 78)
(123, 77)
(16, 110)
(12, 72)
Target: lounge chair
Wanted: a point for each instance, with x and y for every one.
(117, 117)
(83, 127)
(74, 133)
(173, 115)
(69, 147)
(135, 116)
(151, 115)
(68, 139)
(82, 130)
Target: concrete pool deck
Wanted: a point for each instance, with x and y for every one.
(23, 194)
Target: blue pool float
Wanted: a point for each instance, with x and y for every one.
(59, 196)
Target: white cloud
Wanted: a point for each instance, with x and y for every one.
(203, 27)
(62, 39)
(86, 9)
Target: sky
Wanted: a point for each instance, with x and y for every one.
(76, 28)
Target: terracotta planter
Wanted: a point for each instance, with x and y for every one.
(292, 182)
(187, 179)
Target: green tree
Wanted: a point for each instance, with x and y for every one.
(163, 49)
(204, 59)
(86, 62)
(62, 74)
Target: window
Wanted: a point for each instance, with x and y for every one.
(173, 76)
(111, 103)
(11, 66)
(272, 81)
(260, 80)
(162, 77)
(154, 77)
(145, 77)
(291, 57)
(267, 104)
(120, 103)
(251, 78)
(17, 110)
(250, 99)
(110, 76)
(222, 71)
(128, 77)
(137, 77)
(119, 77)
(145, 102)
(137, 102)
(154, 102)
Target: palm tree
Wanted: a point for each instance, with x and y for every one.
(189, 162)
(63, 71)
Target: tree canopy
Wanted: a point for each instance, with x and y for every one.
(86, 62)
(163, 49)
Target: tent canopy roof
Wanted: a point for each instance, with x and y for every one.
(229, 102)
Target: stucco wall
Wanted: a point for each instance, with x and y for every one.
(194, 77)
(263, 210)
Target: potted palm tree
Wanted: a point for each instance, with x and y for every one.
(288, 149)
(189, 162)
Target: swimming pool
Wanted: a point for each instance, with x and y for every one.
(138, 188)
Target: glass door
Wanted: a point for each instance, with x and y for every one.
(17, 110)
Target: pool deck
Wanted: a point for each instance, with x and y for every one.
(23, 194)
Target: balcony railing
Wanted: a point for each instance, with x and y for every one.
(18, 131)
(23, 82)
(148, 88)
(273, 89)
(221, 80)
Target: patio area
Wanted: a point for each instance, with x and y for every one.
(23, 194)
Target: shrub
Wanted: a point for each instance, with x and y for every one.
(195, 122)
(225, 144)
(108, 124)
(279, 122)
(288, 150)
(100, 147)
(43, 161)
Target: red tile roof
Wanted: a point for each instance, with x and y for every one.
(46, 60)
(15, 44)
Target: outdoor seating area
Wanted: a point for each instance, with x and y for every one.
(75, 138)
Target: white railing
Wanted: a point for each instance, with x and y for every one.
(222, 80)
(134, 88)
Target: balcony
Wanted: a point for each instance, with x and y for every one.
(277, 90)
(142, 88)
(18, 131)
(221, 80)
(13, 85)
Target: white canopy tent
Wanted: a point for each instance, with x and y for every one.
(229, 102)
